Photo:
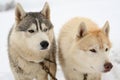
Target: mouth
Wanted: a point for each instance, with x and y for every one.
(106, 71)
(42, 49)
(95, 70)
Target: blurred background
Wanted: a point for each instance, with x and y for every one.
(61, 11)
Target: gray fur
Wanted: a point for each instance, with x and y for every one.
(30, 18)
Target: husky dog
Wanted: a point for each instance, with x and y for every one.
(84, 49)
(30, 42)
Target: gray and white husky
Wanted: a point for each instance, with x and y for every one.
(30, 42)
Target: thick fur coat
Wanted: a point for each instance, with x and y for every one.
(31, 41)
(83, 49)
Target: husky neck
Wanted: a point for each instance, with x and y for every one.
(80, 75)
(87, 76)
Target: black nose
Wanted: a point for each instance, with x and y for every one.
(108, 66)
(44, 44)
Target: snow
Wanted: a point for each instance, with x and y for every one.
(61, 11)
(4, 2)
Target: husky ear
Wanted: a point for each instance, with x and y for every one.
(106, 29)
(82, 30)
(19, 13)
(46, 11)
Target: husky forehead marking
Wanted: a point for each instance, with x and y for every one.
(102, 40)
(37, 24)
(40, 27)
(94, 39)
(33, 18)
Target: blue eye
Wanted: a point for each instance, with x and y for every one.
(93, 50)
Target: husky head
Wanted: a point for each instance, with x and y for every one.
(91, 49)
(32, 35)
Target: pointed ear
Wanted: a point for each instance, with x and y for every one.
(46, 11)
(19, 13)
(106, 29)
(82, 30)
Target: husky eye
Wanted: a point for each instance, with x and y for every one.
(31, 31)
(93, 50)
(45, 30)
(106, 49)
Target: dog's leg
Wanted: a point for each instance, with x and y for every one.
(53, 67)
(53, 70)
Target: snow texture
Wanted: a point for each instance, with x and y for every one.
(61, 11)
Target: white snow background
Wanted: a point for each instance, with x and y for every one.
(61, 11)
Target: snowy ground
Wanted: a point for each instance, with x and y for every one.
(62, 10)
